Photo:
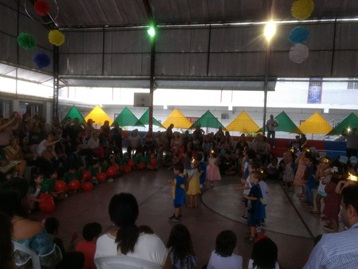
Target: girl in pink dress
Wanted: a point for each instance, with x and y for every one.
(212, 170)
(299, 179)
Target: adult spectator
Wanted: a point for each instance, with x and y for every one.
(7, 249)
(352, 142)
(7, 127)
(117, 135)
(134, 142)
(13, 153)
(271, 125)
(126, 238)
(16, 202)
(339, 250)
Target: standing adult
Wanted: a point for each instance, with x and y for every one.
(134, 142)
(352, 142)
(271, 125)
(126, 239)
(339, 250)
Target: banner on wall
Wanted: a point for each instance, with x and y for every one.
(314, 91)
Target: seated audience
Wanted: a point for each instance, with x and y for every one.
(223, 257)
(91, 231)
(181, 249)
(16, 203)
(125, 239)
(7, 248)
(264, 254)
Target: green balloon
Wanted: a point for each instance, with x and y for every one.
(26, 41)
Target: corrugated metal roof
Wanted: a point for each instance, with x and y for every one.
(94, 13)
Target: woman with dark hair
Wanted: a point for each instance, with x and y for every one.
(7, 249)
(223, 257)
(126, 239)
(15, 202)
(264, 254)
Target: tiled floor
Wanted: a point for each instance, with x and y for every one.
(289, 224)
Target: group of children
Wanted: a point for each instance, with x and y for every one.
(264, 253)
(320, 182)
(191, 181)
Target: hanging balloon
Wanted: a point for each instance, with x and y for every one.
(55, 37)
(42, 60)
(26, 41)
(299, 53)
(37, 9)
(298, 35)
(302, 9)
(41, 7)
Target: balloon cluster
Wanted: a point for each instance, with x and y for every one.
(301, 10)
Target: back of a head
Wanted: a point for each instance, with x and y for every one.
(91, 231)
(12, 197)
(264, 254)
(350, 196)
(225, 243)
(180, 240)
(123, 211)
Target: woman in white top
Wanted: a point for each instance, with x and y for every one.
(223, 257)
(264, 254)
(126, 238)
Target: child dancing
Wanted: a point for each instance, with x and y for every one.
(178, 191)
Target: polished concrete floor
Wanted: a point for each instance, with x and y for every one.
(289, 224)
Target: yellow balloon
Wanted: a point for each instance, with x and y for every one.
(55, 37)
(302, 9)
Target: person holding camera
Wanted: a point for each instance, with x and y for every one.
(352, 141)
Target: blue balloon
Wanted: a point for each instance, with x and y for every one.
(42, 60)
(298, 35)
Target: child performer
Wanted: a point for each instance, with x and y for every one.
(91, 231)
(181, 249)
(194, 183)
(289, 170)
(256, 210)
(310, 180)
(203, 166)
(323, 175)
(178, 191)
(212, 170)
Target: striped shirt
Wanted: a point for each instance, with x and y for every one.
(336, 251)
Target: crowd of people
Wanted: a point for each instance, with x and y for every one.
(65, 152)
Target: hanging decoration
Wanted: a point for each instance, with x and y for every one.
(42, 8)
(55, 37)
(298, 35)
(302, 9)
(26, 41)
(299, 53)
(42, 60)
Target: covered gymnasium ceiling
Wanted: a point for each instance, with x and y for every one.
(209, 44)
